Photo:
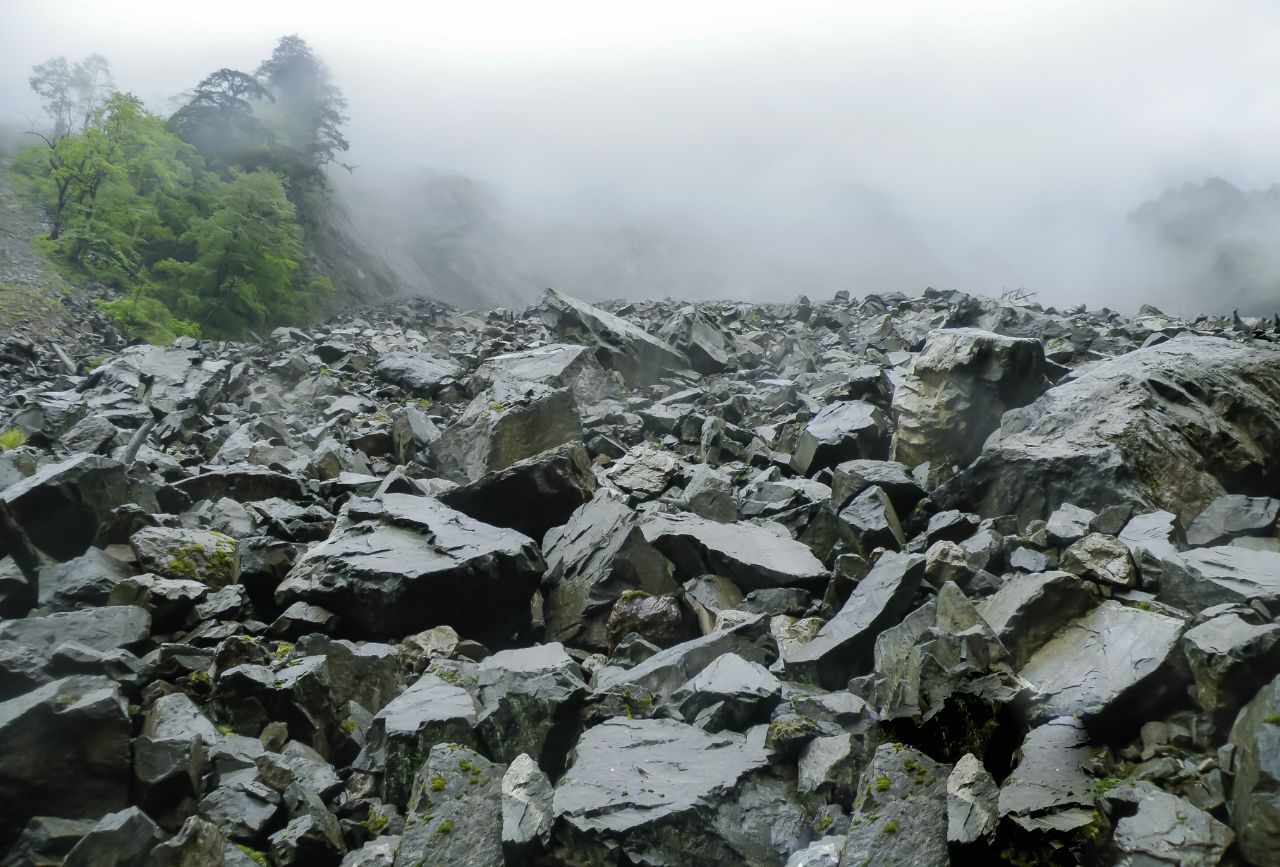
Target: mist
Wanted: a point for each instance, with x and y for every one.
(740, 150)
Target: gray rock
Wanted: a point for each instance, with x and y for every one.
(195, 555)
(1203, 577)
(753, 556)
(1030, 609)
(1103, 558)
(1165, 829)
(1050, 788)
(1141, 429)
(241, 809)
(842, 431)
(378, 852)
(972, 802)
(900, 815)
(529, 700)
(198, 843)
(429, 712)
(657, 811)
(505, 424)
(403, 564)
(1255, 793)
(368, 673)
(1105, 664)
(532, 495)
(660, 620)
(843, 647)
(598, 555)
(1069, 524)
(66, 752)
(45, 841)
(730, 693)
(1233, 515)
(417, 373)
(709, 494)
(873, 520)
(956, 391)
(830, 765)
(638, 356)
(37, 639)
(455, 816)
(124, 839)
(850, 478)
(559, 365)
(527, 811)
(645, 470)
(81, 582)
(1230, 659)
(169, 754)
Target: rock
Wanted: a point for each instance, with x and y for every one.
(431, 711)
(169, 754)
(1150, 538)
(645, 471)
(1203, 577)
(1030, 609)
(419, 374)
(1069, 524)
(730, 693)
(1102, 558)
(850, 478)
(194, 555)
(706, 346)
(753, 556)
(367, 673)
(900, 818)
(1255, 802)
(1140, 429)
(1050, 789)
(529, 700)
(1104, 664)
(66, 753)
(873, 520)
(709, 494)
(172, 378)
(638, 356)
(843, 647)
(1233, 515)
(527, 811)
(658, 810)
(98, 629)
(1230, 659)
(956, 391)
(663, 673)
(45, 842)
(455, 816)
(504, 425)
(661, 620)
(60, 511)
(972, 808)
(403, 564)
(598, 555)
(530, 496)
(81, 582)
(559, 365)
(1165, 829)
(124, 838)
(243, 483)
(842, 431)
(196, 844)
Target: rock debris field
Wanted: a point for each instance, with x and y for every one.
(871, 581)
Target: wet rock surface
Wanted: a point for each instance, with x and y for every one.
(885, 580)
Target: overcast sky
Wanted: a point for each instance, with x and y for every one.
(809, 145)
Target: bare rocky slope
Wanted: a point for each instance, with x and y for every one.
(861, 581)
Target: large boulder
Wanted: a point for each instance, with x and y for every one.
(455, 813)
(60, 511)
(170, 378)
(841, 431)
(598, 555)
(1255, 795)
(532, 495)
(617, 344)
(401, 564)
(419, 374)
(1144, 429)
(1204, 577)
(956, 391)
(505, 424)
(559, 365)
(753, 556)
(66, 753)
(660, 809)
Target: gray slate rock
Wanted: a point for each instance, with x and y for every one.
(1255, 793)
(529, 700)
(1233, 515)
(506, 424)
(527, 810)
(841, 431)
(972, 802)
(752, 556)
(1203, 577)
(455, 816)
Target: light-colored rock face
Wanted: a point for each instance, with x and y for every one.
(956, 391)
(1143, 428)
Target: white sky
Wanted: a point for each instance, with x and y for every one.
(1009, 132)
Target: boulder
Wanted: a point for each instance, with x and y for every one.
(1231, 656)
(527, 810)
(1050, 789)
(1165, 829)
(1028, 610)
(956, 391)
(532, 495)
(1255, 794)
(195, 555)
(529, 701)
(419, 374)
(505, 424)
(66, 753)
(617, 344)
(455, 815)
(753, 556)
(1203, 577)
(972, 802)
(1141, 429)
(559, 365)
(1234, 515)
(404, 563)
(841, 431)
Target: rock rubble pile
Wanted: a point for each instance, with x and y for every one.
(880, 581)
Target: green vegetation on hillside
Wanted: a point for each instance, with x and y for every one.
(198, 221)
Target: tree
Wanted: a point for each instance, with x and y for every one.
(219, 119)
(309, 111)
(71, 92)
(248, 265)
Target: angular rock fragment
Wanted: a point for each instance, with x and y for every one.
(1165, 829)
(753, 556)
(1231, 657)
(1203, 577)
(403, 564)
(972, 796)
(529, 700)
(1233, 515)
(417, 373)
(196, 555)
(526, 809)
(455, 815)
(617, 344)
(1255, 793)
(506, 424)
(1030, 609)
(842, 431)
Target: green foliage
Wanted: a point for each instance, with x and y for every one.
(253, 854)
(133, 206)
(11, 439)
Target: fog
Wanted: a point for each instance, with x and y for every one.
(746, 149)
